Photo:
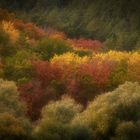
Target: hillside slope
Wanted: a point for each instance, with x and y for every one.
(115, 22)
(53, 87)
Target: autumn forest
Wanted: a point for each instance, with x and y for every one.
(69, 70)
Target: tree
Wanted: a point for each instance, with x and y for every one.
(19, 67)
(56, 117)
(46, 85)
(111, 115)
(13, 123)
(9, 28)
(47, 48)
(6, 47)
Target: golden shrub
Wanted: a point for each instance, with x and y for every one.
(9, 28)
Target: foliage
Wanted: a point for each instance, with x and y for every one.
(56, 117)
(69, 58)
(47, 48)
(30, 29)
(86, 19)
(19, 67)
(110, 116)
(12, 128)
(83, 52)
(13, 123)
(8, 27)
(6, 15)
(6, 48)
(87, 44)
(133, 66)
(9, 98)
(46, 65)
(4, 38)
(45, 86)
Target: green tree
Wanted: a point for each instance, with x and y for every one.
(56, 117)
(13, 123)
(114, 115)
(47, 48)
(19, 67)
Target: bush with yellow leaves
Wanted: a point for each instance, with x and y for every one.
(69, 58)
(9, 28)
